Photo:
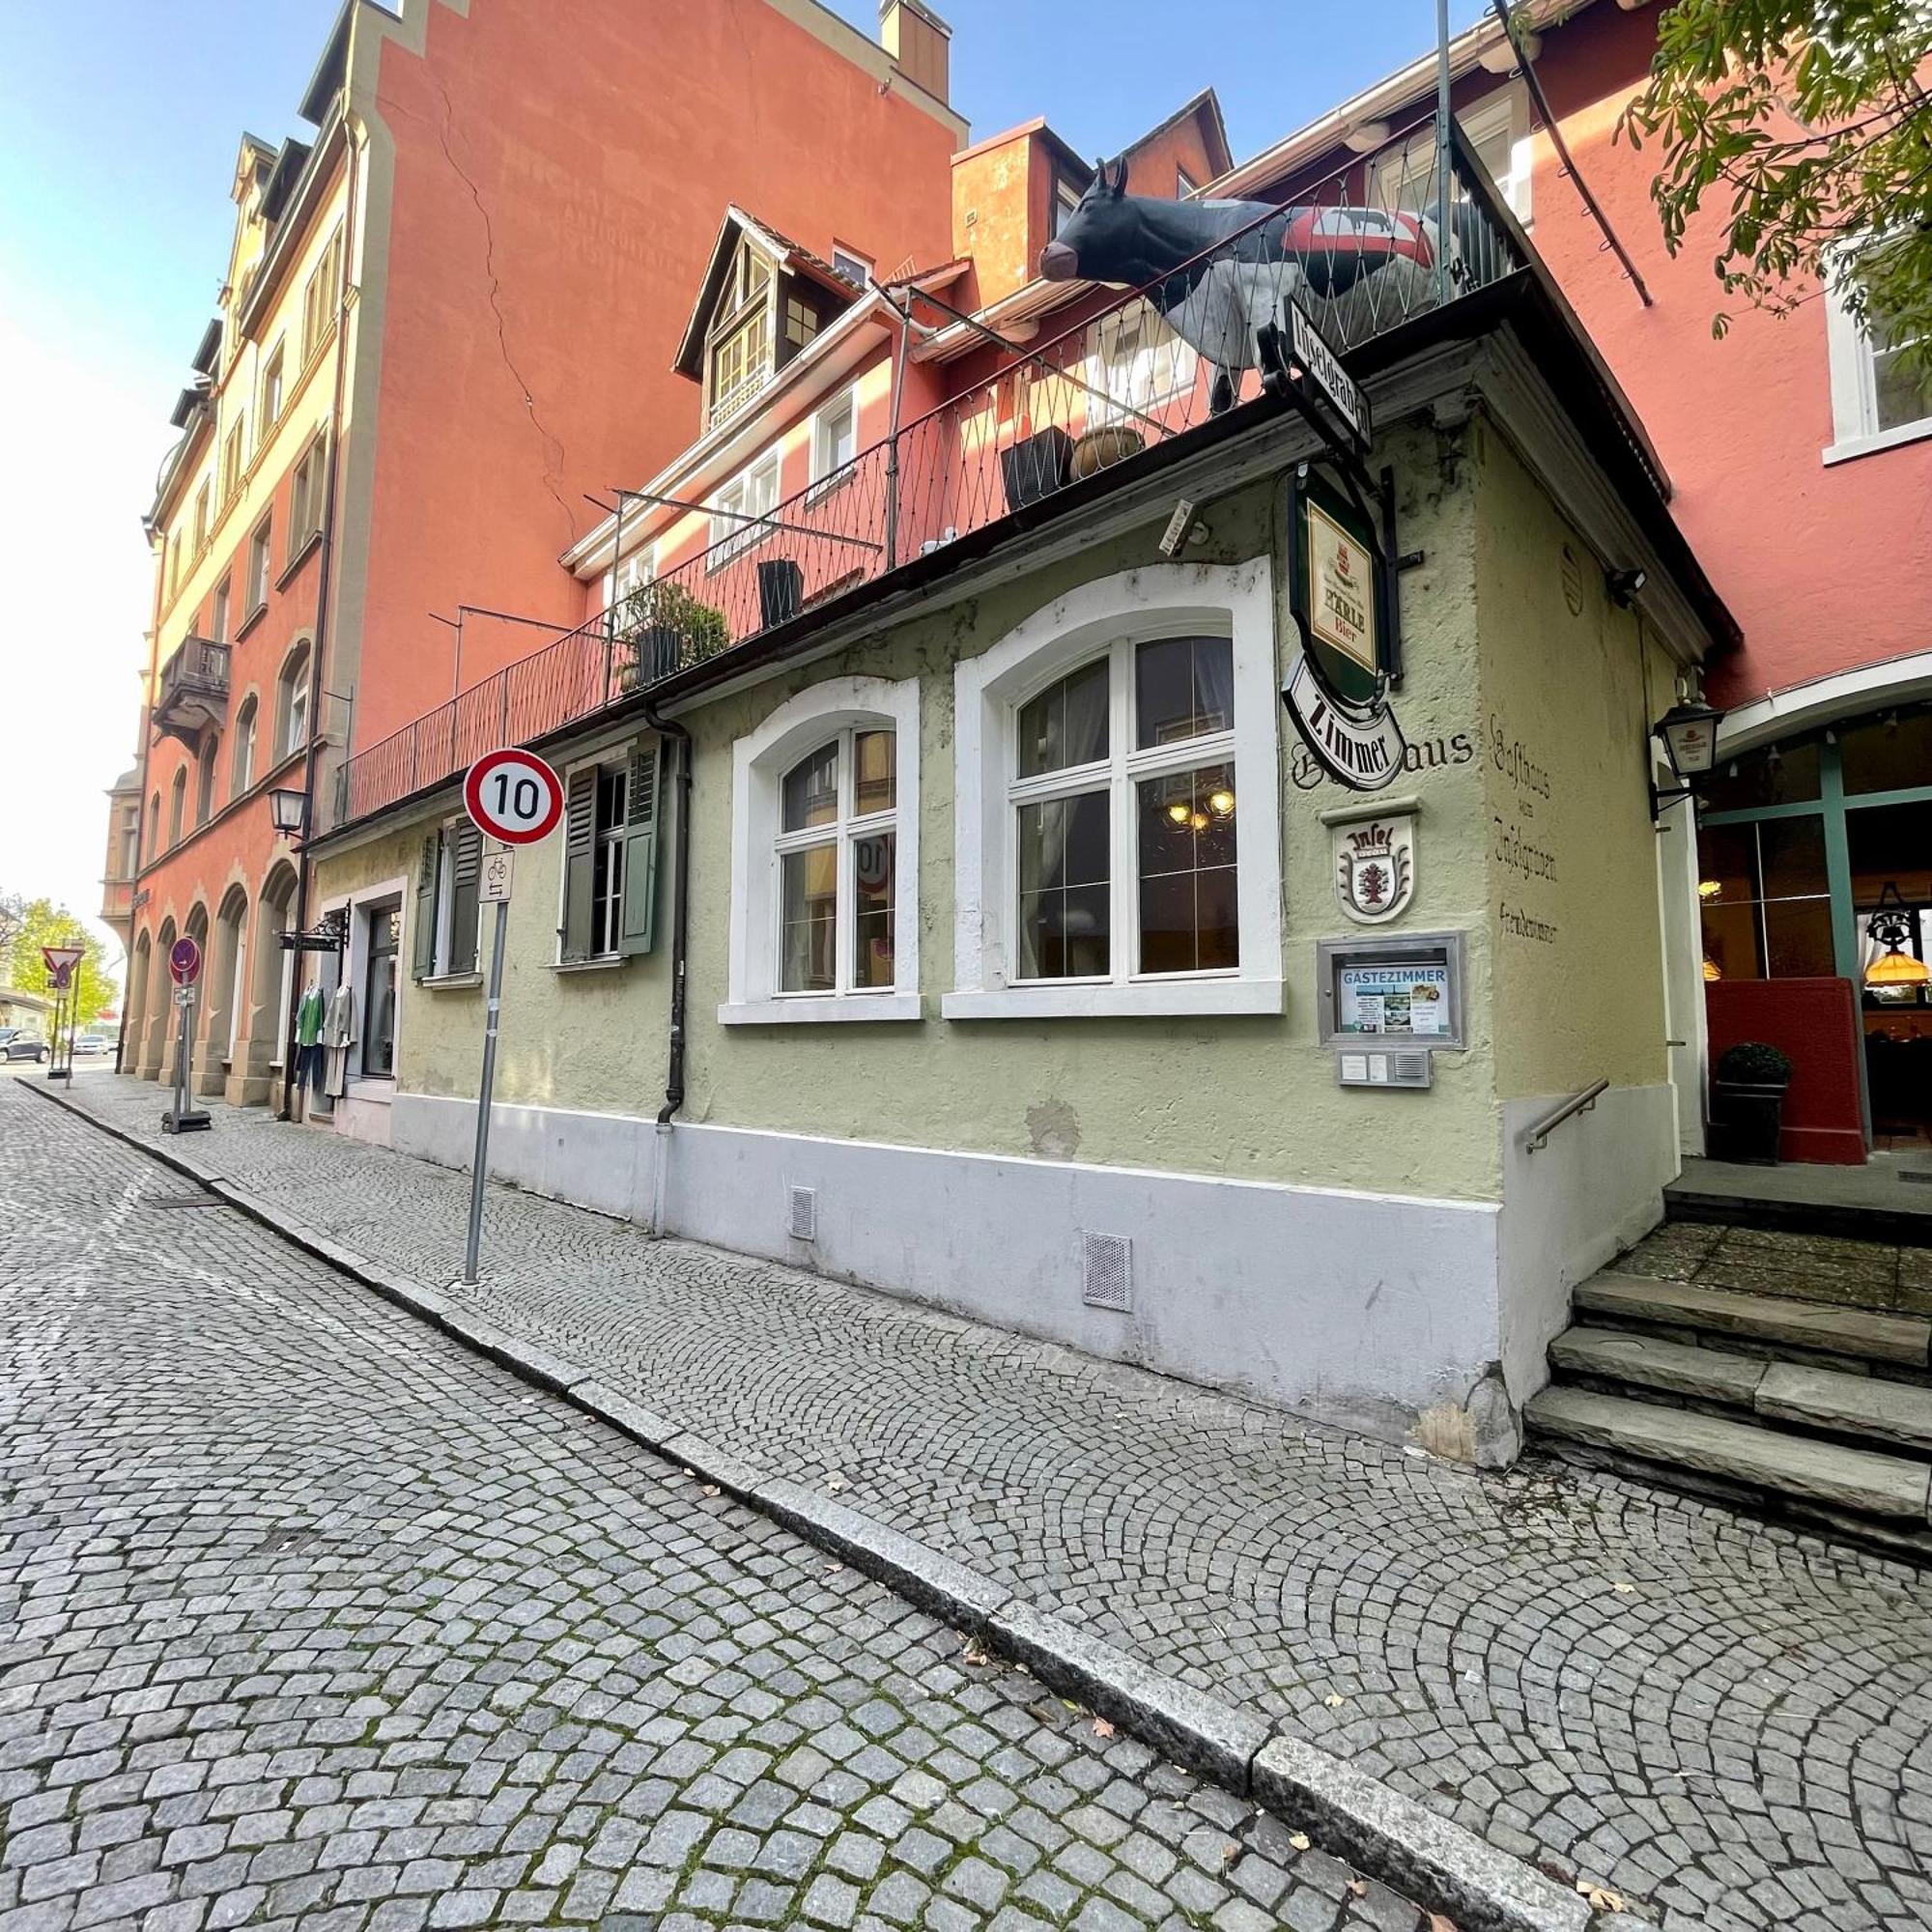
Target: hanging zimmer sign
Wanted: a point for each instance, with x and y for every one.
(1337, 691)
(1375, 867)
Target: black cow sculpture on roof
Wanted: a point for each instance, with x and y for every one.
(1354, 270)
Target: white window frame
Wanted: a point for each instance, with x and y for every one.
(241, 755)
(262, 546)
(632, 572)
(275, 384)
(1855, 429)
(617, 758)
(1236, 601)
(1160, 369)
(1506, 108)
(842, 253)
(736, 536)
(291, 716)
(823, 467)
(759, 762)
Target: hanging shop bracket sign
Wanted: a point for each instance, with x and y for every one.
(1343, 601)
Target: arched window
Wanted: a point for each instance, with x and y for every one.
(176, 804)
(292, 704)
(154, 826)
(825, 858)
(204, 784)
(1117, 810)
(244, 774)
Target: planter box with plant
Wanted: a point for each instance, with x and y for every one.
(1748, 1102)
(661, 626)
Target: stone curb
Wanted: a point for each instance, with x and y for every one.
(1392, 1838)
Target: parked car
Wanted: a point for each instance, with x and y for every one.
(91, 1043)
(18, 1045)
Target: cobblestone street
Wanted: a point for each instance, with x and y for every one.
(309, 1616)
(1727, 1723)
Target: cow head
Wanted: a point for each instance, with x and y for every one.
(1102, 239)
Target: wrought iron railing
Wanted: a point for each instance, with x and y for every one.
(1036, 418)
(198, 667)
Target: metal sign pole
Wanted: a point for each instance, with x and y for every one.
(479, 1165)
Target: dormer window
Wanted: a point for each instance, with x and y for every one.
(740, 357)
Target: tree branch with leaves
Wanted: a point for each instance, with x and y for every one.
(1805, 124)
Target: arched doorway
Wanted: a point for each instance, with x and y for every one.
(229, 1008)
(272, 972)
(135, 1014)
(157, 1050)
(195, 928)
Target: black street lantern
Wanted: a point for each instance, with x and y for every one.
(290, 811)
(1689, 734)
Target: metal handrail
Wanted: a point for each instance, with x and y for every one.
(1577, 1103)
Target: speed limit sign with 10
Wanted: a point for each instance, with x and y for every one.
(513, 795)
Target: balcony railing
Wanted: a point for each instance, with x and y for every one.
(1096, 397)
(194, 694)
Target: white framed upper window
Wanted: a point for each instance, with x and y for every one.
(850, 265)
(834, 437)
(1119, 820)
(634, 570)
(825, 858)
(749, 496)
(1496, 127)
(292, 704)
(1137, 362)
(1877, 401)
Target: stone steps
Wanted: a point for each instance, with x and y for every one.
(1884, 1342)
(1797, 1403)
(1770, 1463)
(1831, 1401)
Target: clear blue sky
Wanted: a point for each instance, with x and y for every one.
(119, 121)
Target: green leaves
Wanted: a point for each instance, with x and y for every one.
(1797, 134)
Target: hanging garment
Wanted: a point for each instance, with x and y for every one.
(339, 1035)
(309, 1015)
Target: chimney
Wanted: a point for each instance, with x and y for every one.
(915, 39)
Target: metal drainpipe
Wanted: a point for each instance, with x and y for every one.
(325, 563)
(681, 901)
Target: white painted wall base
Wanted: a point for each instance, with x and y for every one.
(1359, 1309)
(596, 1160)
(1594, 1188)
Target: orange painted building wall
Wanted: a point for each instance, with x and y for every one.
(568, 184)
(1825, 566)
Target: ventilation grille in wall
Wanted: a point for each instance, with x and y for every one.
(802, 1220)
(1106, 1271)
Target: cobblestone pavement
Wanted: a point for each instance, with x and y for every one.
(1727, 1723)
(308, 1616)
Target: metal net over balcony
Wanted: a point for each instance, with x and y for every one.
(1360, 251)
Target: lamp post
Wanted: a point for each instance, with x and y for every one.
(289, 810)
(1689, 734)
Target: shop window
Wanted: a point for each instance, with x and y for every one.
(1109, 858)
(379, 988)
(825, 859)
(611, 857)
(1777, 775)
(1888, 753)
(449, 902)
(1766, 905)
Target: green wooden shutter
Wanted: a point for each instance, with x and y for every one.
(466, 888)
(579, 837)
(422, 943)
(640, 850)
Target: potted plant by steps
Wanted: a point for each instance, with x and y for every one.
(661, 627)
(1748, 1102)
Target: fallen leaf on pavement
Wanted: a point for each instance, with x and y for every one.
(1624, 1589)
(1437, 1923)
(1102, 1728)
(1230, 1853)
(1334, 1702)
(1299, 1840)
(1600, 1898)
(1359, 1886)
(710, 1489)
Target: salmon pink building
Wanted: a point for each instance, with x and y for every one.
(448, 320)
